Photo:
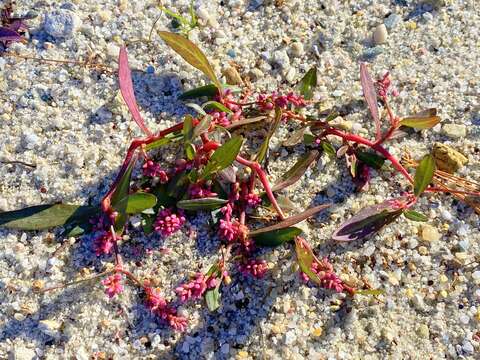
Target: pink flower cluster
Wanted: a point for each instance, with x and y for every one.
(113, 285)
(253, 200)
(153, 169)
(104, 242)
(228, 230)
(255, 268)
(159, 306)
(328, 279)
(220, 118)
(383, 86)
(198, 191)
(168, 222)
(268, 102)
(195, 288)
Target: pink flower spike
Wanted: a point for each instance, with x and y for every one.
(153, 169)
(103, 244)
(253, 200)
(193, 289)
(113, 285)
(255, 268)
(168, 222)
(178, 323)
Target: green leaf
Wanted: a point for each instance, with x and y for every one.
(187, 137)
(136, 203)
(424, 174)
(223, 157)
(328, 148)
(306, 258)
(212, 298)
(308, 83)
(296, 171)
(46, 216)
(217, 106)
(163, 141)
(120, 193)
(332, 116)
(423, 120)
(191, 54)
(308, 139)
(163, 199)
(415, 216)
(371, 159)
(266, 143)
(209, 203)
(370, 292)
(209, 91)
(277, 237)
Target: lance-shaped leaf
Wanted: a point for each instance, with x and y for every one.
(188, 136)
(208, 203)
(423, 120)
(121, 192)
(136, 203)
(306, 258)
(46, 216)
(216, 106)
(126, 88)
(276, 237)
(370, 96)
(290, 221)
(223, 157)
(369, 221)
(296, 171)
(209, 91)
(191, 54)
(423, 174)
(415, 216)
(308, 83)
(164, 141)
(328, 148)
(371, 159)
(262, 152)
(246, 121)
(7, 34)
(212, 298)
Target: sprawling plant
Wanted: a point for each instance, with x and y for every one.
(213, 172)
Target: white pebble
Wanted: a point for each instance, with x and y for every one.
(380, 34)
(61, 23)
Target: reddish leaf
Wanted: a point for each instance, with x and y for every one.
(369, 220)
(7, 34)
(126, 88)
(370, 97)
(290, 221)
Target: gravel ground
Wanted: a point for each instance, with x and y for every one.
(53, 114)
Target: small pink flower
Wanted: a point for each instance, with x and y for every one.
(103, 243)
(193, 289)
(113, 285)
(154, 301)
(255, 268)
(168, 222)
(332, 282)
(220, 118)
(178, 323)
(228, 230)
(253, 200)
